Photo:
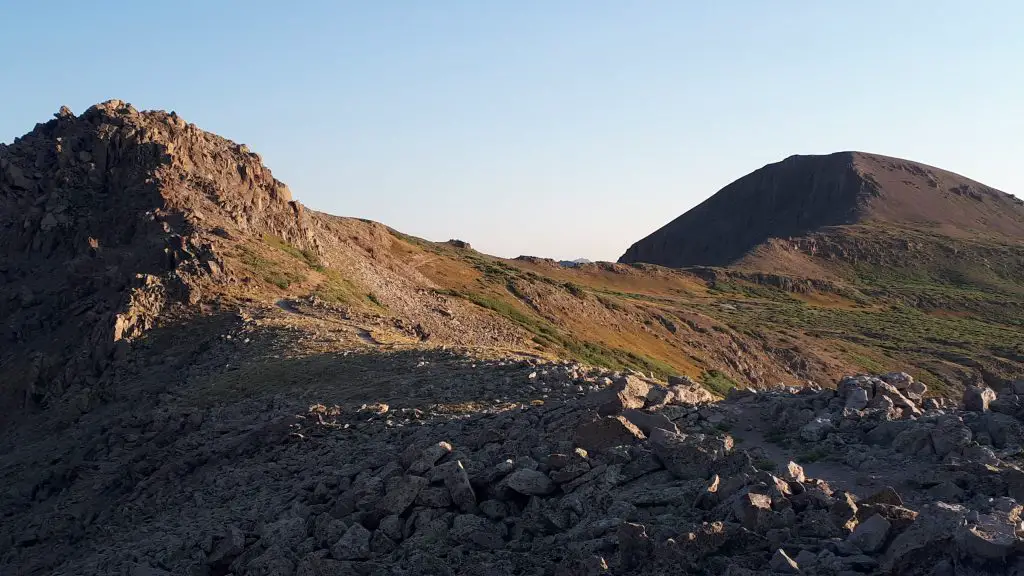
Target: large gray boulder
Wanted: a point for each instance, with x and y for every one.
(690, 457)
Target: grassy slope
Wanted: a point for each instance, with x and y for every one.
(940, 327)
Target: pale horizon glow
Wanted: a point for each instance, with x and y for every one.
(562, 129)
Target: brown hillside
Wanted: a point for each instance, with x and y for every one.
(806, 194)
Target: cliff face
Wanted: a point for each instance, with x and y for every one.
(805, 194)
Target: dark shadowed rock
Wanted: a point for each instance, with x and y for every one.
(606, 433)
(978, 398)
(530, 482)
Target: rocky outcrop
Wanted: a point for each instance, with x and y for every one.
(106, 220)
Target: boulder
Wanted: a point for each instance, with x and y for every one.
(626, 392)
(683, 391)
(857, 399)
(899, 380)
(228, 547)
(316, 565)
(816, 430)
(781, 563)
(634, 545)
(887, 495)
(793, 472)
(871, 534)
(477, 532)
(991, 537)
(456, 480)
(977, 398)
(392, 527)
(689, 457)
(354, 545)
(648, 421)
(1003, 429)
(916, 391)
(607, 433)
(327, 530)
(530, 483)
(434, 498)
(950, 436)
(401, 495)
(429, 457)
(925, 542)
(753, 510)
(286, 533)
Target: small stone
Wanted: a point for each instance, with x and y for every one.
(781, 563)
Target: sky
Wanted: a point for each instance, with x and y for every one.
(555, 128)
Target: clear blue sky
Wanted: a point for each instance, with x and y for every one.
(553, 128)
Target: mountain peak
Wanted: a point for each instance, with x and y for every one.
(804, 194)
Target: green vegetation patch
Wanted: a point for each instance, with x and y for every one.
(718, 382)
(268, 270)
